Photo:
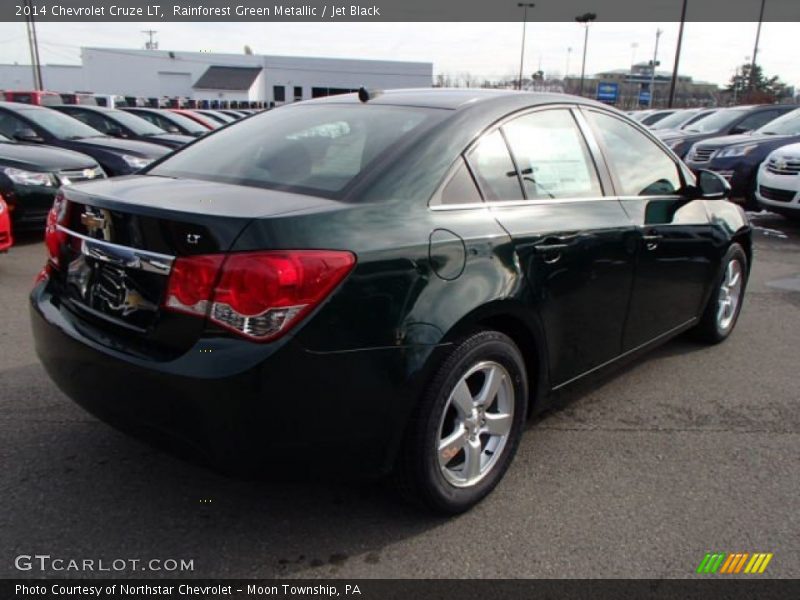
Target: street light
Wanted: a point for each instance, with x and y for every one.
(524, 6)
(584, 19)
(566, 71)
(655, 64)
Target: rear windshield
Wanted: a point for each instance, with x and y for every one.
(314, 149)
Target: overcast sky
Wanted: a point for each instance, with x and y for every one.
(711, 51)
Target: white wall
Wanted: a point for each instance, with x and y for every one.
(61, 78)
(156, 73)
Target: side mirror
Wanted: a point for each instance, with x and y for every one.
(27, 135)
(115, 132)
(173, 129)
(711, 186)
(740, 130)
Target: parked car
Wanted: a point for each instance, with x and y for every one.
(110, 100)
(726, 121)
(6, 236)
(82, 98)
(35, 97)
(737, 157)
(37, 125)
(330, 282)
(778, 187)
(203, 120)
(236, 114)
(655, 116)
(30, 177)
(682, 118)
(120, 124)
(169, 121)
(216, 115)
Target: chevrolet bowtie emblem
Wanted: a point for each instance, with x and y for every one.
(97, 222)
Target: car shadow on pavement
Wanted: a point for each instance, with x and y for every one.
(76, 488)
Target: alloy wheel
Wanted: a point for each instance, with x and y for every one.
(730, 295)
(476, 424)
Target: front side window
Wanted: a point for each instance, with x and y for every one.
(640, 166)
(551, 156)
(307, 149)
(494, 169)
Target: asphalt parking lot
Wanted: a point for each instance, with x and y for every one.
(690, 450)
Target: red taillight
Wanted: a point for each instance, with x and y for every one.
(53, 236)
(259, 295)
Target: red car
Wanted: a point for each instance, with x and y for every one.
(37, 97)
(5, 227)
(204, 121)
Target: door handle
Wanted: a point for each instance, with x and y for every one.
(651, 240)
(551, 248)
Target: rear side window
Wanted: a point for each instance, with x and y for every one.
(757, 120)
(494, 169)
(551, 156)
(640, 166)
(460, 189)
(306, 149)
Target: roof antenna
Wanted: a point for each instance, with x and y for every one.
(366, 95)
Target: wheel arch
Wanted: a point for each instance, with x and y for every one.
(524, 328)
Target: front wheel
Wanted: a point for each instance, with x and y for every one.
(467, 427)
(725, 303)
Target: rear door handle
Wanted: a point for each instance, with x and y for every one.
(651, 240)
(552, 247)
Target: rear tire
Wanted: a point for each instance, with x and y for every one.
(467, 427)
(725, 303)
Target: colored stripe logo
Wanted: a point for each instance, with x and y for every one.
(734, 563)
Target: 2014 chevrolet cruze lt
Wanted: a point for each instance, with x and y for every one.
(391, 283)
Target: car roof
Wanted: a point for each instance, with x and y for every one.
(22, 106)
(454, 98)
(86, 107)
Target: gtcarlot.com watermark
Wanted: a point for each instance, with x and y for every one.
(45, 563)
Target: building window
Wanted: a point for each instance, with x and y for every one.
(279, 93)
(298, 93)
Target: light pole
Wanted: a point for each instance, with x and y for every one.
(677, 58)
(755, 48)
(653, 73)
(566, 70)
(524, 6)
(584, 19)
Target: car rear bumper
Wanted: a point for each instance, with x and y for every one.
(332, 412)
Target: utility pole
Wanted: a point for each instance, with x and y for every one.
(755, 48)
(674, 80)
(33, 44)
(653, 72)
(584, 19)
(524, 6)
(150, 45)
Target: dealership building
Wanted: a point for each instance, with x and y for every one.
(211, 76)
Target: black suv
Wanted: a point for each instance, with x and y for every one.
(737, 157)
(728, 121)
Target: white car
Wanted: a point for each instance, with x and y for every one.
(778, 188)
